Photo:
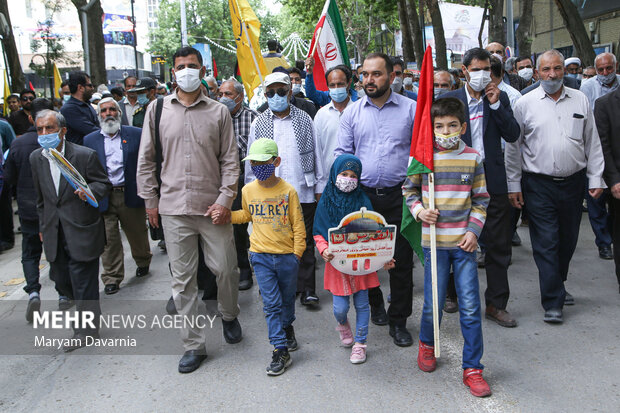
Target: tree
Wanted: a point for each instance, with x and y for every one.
(440, 38)
(496, 22)
(524, 42)
(578, 34)
(96, 45)
(416, 31)
(17, 79)
(405, 29)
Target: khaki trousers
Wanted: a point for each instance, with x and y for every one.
(182, 233)
(133, 223)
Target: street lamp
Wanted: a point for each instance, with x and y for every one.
(46, 63)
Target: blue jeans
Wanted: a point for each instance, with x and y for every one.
(276, 275)
(362, 310)
(466, 283)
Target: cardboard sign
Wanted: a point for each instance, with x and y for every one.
(362, 243)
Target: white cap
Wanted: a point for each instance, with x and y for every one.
(96, 96)
(572, 60)
(277, 77)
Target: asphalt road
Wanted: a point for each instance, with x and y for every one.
(535, 367)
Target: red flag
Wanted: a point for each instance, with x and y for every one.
(421, 152)
(31, 87)
(214, 68)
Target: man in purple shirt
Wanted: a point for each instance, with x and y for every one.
(377, 129)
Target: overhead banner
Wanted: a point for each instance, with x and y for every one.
(362, 243)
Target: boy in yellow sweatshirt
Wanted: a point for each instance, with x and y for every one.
(277, 242)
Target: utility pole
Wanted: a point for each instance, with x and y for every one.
(84, 17)
(135, 38)
(183, 25)
(510, 30)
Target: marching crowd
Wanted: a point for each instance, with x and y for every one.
(192, 164)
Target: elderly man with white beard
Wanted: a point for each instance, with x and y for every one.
(117, 147)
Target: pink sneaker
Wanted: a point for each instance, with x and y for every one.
(358, 353)
(346, 337)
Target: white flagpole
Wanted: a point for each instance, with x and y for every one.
(316, 41)
(431, 193)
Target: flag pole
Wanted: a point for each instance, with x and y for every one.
(316, 40)
(431, 194)
(247, 36)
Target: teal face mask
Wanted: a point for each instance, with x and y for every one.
(143, 99)
(51, 140)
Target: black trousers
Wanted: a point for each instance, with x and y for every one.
(6, 215)
(497, 236)
(401, 276)
(78, 280)
(31, 254)
(554, 211)
(306, 276)
(614, 213)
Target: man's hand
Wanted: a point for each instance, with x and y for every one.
(309, 64)
(219, 214)
(41, 236)
(153, 214)
(615, 191)
(516, 199)
(469, 242)
(327, 256)
(595, 192)
(428, 216)
(80, 194)
(317, 197)
(492, 93)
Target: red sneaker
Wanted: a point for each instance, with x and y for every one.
(472, 378)
(426, 357)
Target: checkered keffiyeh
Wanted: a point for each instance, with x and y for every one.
(242, 121)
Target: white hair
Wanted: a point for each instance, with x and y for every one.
(551, 52)
(106, 100)
(613, 57)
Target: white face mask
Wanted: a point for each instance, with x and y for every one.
(345, 183)
(188, 79)
(479, 79)
(526, 73)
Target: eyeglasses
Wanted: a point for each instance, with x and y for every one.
(89, 85)
(30, 98)
(280, 91)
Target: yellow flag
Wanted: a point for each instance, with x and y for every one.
(7, 93)
(57, 82)
(246, 29)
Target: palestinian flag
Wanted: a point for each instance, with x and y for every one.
(421, 152)
(330, 40)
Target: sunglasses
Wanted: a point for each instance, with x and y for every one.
(280, 91)
(30, 98)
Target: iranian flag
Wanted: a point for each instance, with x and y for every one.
(421, 152)
(328, 45)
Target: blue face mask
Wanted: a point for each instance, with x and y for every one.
(65, 98)
(361, 78)
(51, 140)
(143, 99)
(278, 103)
(338, 94)
(264, 171)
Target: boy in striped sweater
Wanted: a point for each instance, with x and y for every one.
(461, 200)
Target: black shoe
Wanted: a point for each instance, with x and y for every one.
(402, 337)
(162, 244)
(170, 307)
(34, 305)
(191, 360)
(280, 360)
(569, 299)
(309, 298)
(516, 240)
(605, 253)
(111, 289)
(378, 316)
(553, 316)
(480, 259)
(451, 305)
(65, 303)
(6, 245)
(291, 341)
(245, 279)
(142, 271)
(232, 331)
(77, 341)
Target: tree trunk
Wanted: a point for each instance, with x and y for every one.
(408, 53)
(416, 31)
(17, 79)
(577, 31)
(96, 46)
(496, 22)
(485, 17)
(440, 38)
(524, 42)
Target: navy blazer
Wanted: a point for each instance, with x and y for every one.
(130, 141)
(81, 120)
(497, 124)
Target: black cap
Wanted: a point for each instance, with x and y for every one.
(144, 84)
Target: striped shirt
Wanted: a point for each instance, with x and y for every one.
(460, 195)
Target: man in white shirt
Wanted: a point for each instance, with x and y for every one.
(129, 104)
(327, 119)
(302, 164)
(558, 151)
